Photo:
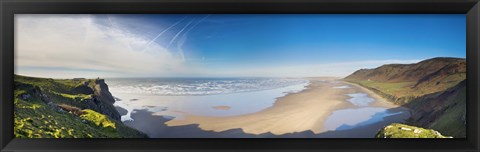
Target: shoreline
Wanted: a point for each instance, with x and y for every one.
(382, 102)
(220, 105)
(306, 110)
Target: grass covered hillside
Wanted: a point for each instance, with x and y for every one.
(402, 83)
(397, 130)
(73, 108)
(434, 90)
(445, 112)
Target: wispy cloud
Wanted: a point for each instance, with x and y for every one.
(161, 33)
(77, 42)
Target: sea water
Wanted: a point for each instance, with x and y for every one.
(362, 113)
(175, 97)
(356, 117)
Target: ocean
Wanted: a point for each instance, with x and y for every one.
(175, 97)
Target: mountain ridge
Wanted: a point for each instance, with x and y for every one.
(405, 72)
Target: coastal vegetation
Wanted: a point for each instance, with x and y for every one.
(397, 130)
(76, 108)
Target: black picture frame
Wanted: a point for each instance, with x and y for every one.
(9, 8)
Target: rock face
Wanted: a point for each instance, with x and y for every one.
(101, 91)
(101, 99)
(83, 89)
(434, 90)
(104, 100)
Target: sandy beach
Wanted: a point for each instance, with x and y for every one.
(296, 112)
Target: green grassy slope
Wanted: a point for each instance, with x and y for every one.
(444, 112)
(48, 108)
(433, 89)
(402, 83)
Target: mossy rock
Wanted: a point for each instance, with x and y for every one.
(397, 130)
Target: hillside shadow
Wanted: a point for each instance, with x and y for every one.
(155, 127)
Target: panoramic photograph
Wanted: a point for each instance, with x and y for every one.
(240, 76)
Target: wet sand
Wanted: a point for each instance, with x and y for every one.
(222, 107)
(301, 112)
(154, 126)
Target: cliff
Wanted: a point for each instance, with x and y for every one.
(433, 89)
(67, 108)
(101, 99)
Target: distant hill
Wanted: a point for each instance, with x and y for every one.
(434, 90)
(403, 82)
(411, 72)
(66, 108)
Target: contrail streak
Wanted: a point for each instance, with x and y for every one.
(178, 33)
(195, 25)
(161, 33)
(184, 37)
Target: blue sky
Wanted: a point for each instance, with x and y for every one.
(227, 45)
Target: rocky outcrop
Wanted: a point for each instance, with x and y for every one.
(397, 130)
(83, 89)
(101, 91)
(101, 99)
